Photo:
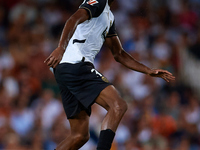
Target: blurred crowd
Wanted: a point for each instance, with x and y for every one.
(161, 116)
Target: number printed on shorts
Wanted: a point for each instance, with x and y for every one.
(97, 72)
(100, 75)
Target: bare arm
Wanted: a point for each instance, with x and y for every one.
(78, 17)
(128, 61)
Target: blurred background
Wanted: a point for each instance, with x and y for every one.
(159, 33)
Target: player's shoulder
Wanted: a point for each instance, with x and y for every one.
(94, 7)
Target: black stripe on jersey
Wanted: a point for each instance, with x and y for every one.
(104, 34)
(78, 41)
(111, 35)
(95, 9)
(112, 31)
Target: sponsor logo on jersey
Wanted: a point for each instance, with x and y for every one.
(92, 2)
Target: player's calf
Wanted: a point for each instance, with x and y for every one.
(114, 115)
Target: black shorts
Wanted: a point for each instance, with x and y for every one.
(80, 84)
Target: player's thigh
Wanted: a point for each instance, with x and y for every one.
(110, 98)
(80, 124)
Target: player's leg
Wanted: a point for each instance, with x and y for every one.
(109, 99)
(79, 133)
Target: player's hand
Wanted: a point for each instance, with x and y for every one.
(55, 57)
(167, 76)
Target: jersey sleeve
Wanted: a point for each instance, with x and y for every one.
(94, 7)
(112, 31)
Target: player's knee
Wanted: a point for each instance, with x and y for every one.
(120, 107)
(82, 138)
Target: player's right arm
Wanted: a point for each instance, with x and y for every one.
(128, 61)
(78, 17)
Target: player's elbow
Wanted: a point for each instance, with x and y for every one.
(118, 56)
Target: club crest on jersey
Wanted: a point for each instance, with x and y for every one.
(92, 2)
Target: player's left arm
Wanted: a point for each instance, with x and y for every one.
(128, 61)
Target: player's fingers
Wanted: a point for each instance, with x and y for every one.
(55, 64)
(49, 63)
(165, 71)
(172, 78)
(46, 60)
(169, 77)
(168, 74)
(165, 79)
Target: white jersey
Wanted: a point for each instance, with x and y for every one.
(90, 35)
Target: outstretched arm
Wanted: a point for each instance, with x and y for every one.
(128, 61)
(78, 17)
